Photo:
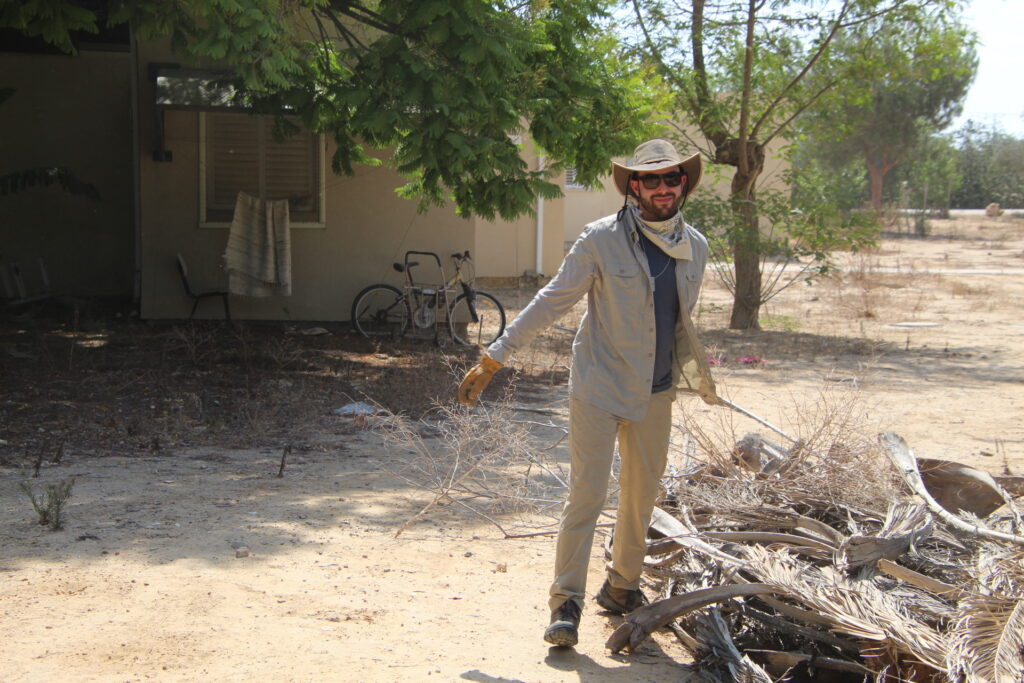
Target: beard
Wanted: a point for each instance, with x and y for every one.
(655, 211)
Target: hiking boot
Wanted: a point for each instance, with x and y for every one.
(620, 600)
(565, 624)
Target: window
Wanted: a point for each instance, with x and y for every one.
(238, 152)
(570, 180)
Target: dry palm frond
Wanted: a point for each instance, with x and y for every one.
(922, 581)
(1000, 571)
(901, 455)
(905, 525)
(859, 608)
(781, 518)
(713, 633)
(641, 623)
(988, 639)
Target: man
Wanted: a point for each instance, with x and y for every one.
(641, 271)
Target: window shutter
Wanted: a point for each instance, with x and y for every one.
(292, 171)
(243, 156)
(232, 159)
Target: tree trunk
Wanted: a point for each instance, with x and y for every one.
(745, 260)
(877, 177)
(746, 305)
(878, 164)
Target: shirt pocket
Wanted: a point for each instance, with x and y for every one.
(623, 268)
(693, 282)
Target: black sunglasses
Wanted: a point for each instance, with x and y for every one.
(671, 179)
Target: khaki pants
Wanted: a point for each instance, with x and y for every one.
(643, 450)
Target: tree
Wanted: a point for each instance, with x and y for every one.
(913, 78)
(990, 164)
(745, 72)
(929, 175)
(445, 85)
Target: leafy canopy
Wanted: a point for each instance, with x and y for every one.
(448, 87)
(907, 82)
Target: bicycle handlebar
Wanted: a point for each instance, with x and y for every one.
(423, 253)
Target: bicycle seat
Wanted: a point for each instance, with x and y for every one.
(400, 267)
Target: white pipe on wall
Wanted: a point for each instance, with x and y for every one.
(539, 265)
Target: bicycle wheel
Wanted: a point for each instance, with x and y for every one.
(478, 319)
(380, 310)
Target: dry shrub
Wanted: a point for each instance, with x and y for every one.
(836, 457)
(961, 288)
(548, 356)
(486, 459)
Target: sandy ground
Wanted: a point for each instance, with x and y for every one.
(203, 564)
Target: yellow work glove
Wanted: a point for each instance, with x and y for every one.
(478, 377)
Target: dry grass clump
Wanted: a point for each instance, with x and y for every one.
(488, 460)
(833, 459)
(964, 289)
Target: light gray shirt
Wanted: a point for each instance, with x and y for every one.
(613, 352)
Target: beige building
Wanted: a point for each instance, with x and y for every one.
(168, 158)
(168, 162)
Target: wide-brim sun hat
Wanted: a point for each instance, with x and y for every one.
(653, 156)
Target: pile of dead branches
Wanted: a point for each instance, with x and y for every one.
(854, 563)
(496, 461)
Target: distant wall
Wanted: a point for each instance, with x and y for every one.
(72, 111)
(508, 249)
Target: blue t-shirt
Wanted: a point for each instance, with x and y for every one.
(666, 311)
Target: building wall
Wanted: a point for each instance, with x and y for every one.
(73, 112)
(586, 206)
(508, 249)
(367, 229)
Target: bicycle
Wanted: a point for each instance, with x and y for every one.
(473, 317)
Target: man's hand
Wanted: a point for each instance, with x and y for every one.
(708, 393)
(478, 377)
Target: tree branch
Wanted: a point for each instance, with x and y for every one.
(822, 48)
(709, 124)
(364, 16)
(742, 154)
(800, 110)
(655, 52)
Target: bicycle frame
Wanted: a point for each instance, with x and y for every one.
(449, 304)
(427, 301)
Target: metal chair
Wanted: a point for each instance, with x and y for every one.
(16, 292)
(197, 294)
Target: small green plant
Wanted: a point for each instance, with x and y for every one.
(49, 504)
(711, 307)
(783, 323)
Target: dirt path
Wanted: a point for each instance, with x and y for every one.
(202, 564)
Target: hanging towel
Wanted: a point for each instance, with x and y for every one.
(259, 252)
